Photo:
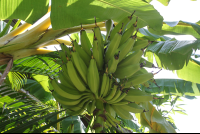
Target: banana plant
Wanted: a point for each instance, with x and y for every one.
(26, 67)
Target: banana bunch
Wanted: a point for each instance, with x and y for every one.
(101, 77)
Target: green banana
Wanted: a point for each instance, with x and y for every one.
(62, 56)
(135, 95)
(93, 77)
(109, 120)
(140, 44)
(133, 58)
(138, 79)
(108, 123)
(112, 118)
(112, 46)
(109, 26)
(122, 113)
(98, 53)
(79, 112)
(80, 105)
(110, 110)
(91, 107)
(80, 66)
(97, 33)
(121, 103)
(86, 58)
(126, 47)
(146, 84)
(65, 91)
(85, 42)
(103, 83)
(124, 22)
(128, 33)
(75, 78)
(147, 63)
(65, 49)
(65, 101)
(112, 64)
(126, 71)
(111, 83)
(132, 107)
(117, 94)
(65, 80)
(120, 98)
(112, 93)
(106, 90)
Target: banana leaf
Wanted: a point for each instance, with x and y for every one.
(179, 28)
(175, 87)
(172, 55)
(154, 120)
(78, 12)
(191, 72)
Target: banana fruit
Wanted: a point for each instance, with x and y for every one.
(103, 78)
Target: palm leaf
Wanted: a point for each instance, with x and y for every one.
(20, 113)
(35, 88)
(40, 64)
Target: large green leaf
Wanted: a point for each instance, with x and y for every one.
(36, 88)
(19, 113)
(172, 55)
(27, 10)
(40, 64)
(78, 127)
(179, 28)
(43, 80)
(76, 12)
(154, 120)
(173, 87)
(150, 36)
(191, 72)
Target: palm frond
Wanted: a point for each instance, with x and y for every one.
(20, 113)
(17, 80)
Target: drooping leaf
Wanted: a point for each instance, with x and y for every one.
(172, 55)
(154, 120)
(190, 72)
(82, 12)
(150, 36)
(29, 11)
(178, 28)
(174, 87)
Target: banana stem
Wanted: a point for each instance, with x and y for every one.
(54, 34)
(58, 117)
(18, 54)
(26, 39)
(53, 42)
(17, 31)
(14, 33)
